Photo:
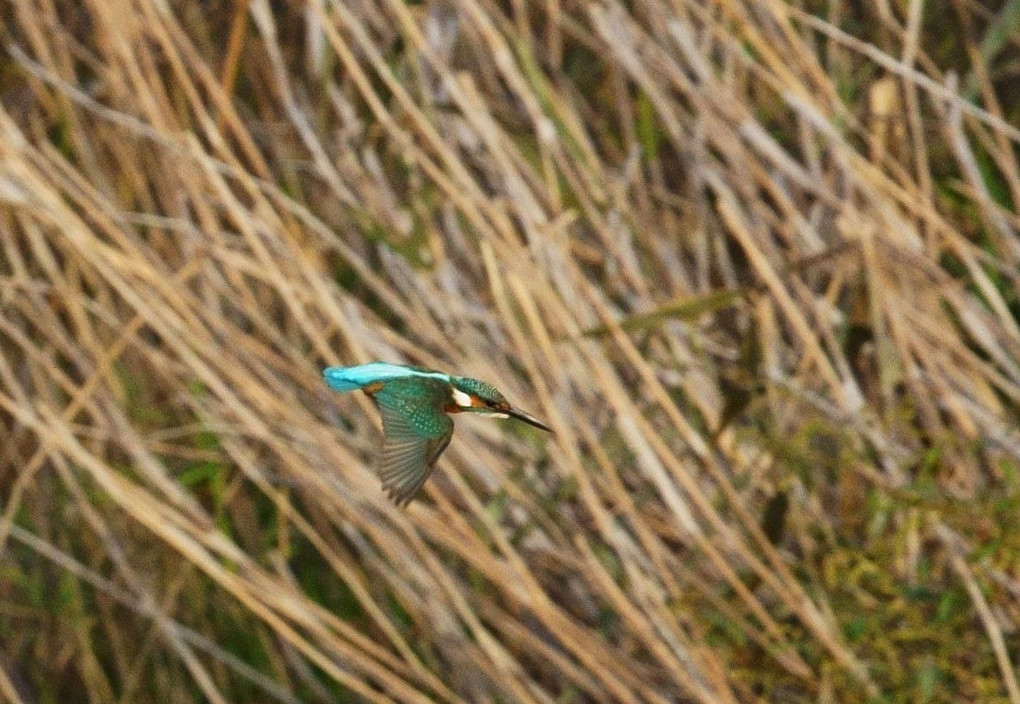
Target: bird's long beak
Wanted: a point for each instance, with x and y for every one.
(527, 418)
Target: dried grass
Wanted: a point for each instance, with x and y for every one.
(757, 267)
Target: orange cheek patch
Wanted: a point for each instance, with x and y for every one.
(372, 388)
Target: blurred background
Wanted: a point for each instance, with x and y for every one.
(756, 262)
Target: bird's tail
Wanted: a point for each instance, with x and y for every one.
(345, 378)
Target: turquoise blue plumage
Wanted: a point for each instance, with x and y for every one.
(351, 378)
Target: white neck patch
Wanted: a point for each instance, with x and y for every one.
(461, 398)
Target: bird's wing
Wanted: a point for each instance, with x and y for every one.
(416, 432)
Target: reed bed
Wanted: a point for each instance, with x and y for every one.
(755, 262)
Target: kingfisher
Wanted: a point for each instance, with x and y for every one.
(414, 403)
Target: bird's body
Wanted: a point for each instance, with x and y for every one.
(414, 403)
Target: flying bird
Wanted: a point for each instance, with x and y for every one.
(414, 403)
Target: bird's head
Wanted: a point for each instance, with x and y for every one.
(476, 396)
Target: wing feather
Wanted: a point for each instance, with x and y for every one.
(416, 432)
